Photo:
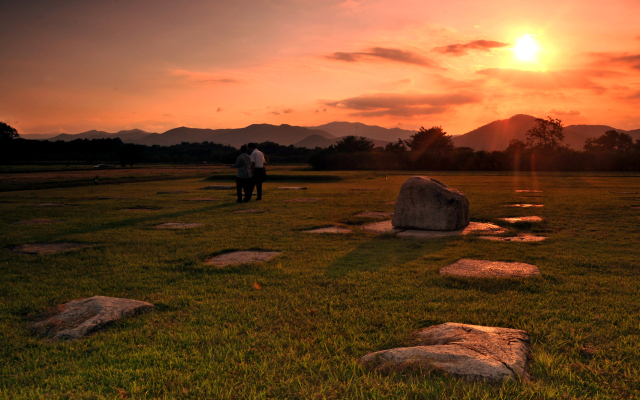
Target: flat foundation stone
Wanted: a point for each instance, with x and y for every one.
(381, 228)
(301, 200)
(218, 187)
(374, 214)
(525, 205)
(291, 188)
(477, 228)
(513, 220)
(490, 269)
(48, 248)
(179, 225)
(79, 318)
(477, 353)
(251, 211)
(37, 222)
(474, 228)
(241, 257)
(522, 237)
(529, 191)
(329, 229)
(174, 192)
(203, 199)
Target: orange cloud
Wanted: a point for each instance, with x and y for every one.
(553, 111)
(547, 80)
(406, 105)
(397, 55)
(461, 49)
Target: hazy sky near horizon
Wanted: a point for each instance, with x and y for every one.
(70, 66)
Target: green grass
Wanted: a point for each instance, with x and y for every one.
(326, 300)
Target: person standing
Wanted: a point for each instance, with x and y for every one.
(243, 178)
(257, 167)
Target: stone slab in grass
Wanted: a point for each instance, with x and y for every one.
(179, 225)
(241, 257)
(513, 220)
(375, 214)
(218, 187)
(113, 198)
(329, 229)
(477, 353)
(203, 199)
(624, 192)
(301, 200)
(490, 269)
(520, 205)
(79, 318)
(522, 237)
(251, 211)
(51, 205)
(37, 221)
(474, 228)
(381, 228)
(48, 248)
(529, 191)
(174, 192)
(291, 188)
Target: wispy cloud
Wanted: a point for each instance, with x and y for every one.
(205, 77)
(460, 49)
(387, 54)
(553, 111)
(406, 105)
(623, 59)
(547, 80)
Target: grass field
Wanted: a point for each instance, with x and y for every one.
(327, 299)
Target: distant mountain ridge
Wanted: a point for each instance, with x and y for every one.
(491, 137)
(496, 135)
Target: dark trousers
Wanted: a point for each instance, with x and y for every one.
(246, 185)
(259, 176)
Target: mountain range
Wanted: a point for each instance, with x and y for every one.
(493, 136)
(497, 134)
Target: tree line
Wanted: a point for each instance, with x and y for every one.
(428, 149)
(433, 149)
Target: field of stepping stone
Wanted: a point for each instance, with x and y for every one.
(157, 289)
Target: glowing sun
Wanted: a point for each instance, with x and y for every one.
(526, 48)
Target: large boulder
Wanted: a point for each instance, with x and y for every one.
(470, 351)
(426, 203)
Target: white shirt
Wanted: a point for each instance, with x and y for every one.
(257, 158)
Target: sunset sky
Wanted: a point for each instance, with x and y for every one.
(71, 66)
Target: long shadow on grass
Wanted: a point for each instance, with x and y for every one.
(384, 252)
(134, 221)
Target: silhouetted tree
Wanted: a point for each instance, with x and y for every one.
(433, 140)
(610, 141)
(352, 144)
(130, 154)
(546, 135)
(398, 147)
(8, 132)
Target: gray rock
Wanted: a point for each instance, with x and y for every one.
(329, 229)
(490, 269)
(471, 351)
(426, 203)
(82, 317)
(241, 257)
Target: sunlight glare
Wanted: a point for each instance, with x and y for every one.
(526, 48)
